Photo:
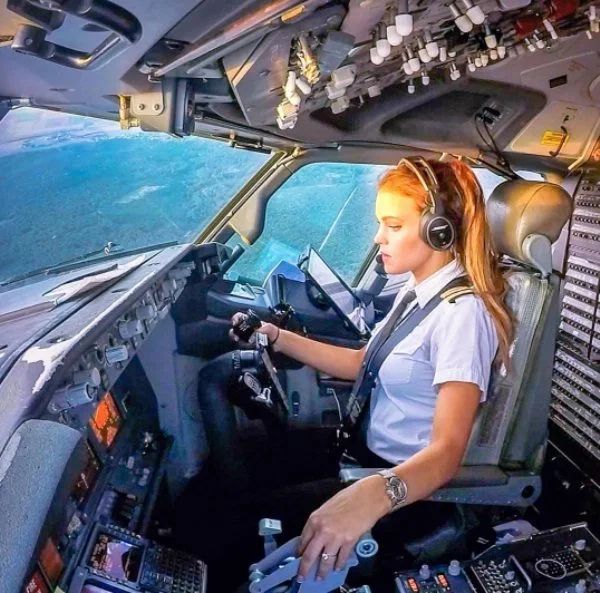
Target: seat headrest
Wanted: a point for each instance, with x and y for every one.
(526, 217)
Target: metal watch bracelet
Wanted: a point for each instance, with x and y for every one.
(395, 488)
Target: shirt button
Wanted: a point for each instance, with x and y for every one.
(370, 374)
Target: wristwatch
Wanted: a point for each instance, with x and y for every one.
(395, 488)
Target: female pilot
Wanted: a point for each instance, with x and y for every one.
(428, 389)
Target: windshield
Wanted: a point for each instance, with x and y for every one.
(74, 187)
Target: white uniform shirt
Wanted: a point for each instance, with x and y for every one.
(455, 342)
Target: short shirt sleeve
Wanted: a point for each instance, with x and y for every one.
(464, 344)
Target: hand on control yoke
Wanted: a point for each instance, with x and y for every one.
(246, 325)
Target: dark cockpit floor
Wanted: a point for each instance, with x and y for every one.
(222, 528)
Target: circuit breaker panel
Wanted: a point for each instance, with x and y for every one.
(575, 404)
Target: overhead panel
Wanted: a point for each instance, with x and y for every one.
(561, 125)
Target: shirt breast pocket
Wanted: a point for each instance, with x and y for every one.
(403, 362)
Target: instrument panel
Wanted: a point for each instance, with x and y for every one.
(564, 559)
(84, 375)
(117, 483)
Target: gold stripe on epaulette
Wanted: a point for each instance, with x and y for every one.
(453, 293)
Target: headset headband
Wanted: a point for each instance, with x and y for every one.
(428, 180)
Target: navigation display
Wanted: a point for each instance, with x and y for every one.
(337, 291)
(116, 558)
(106, 421)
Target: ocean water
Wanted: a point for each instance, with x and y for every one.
(70, 191)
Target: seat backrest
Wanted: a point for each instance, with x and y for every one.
(525, 217)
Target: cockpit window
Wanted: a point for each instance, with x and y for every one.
(73, 187)
(330, 206)
(489, 180)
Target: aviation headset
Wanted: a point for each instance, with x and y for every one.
(436, 229)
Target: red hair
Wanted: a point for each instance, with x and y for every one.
(464, 204)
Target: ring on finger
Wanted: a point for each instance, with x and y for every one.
(325, 556)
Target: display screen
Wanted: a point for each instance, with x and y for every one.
(116, 558)
(87, 477)
(340, 295)
(107, 420)
(36, 584)
(51, 562)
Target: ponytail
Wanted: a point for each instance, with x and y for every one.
(475, 252)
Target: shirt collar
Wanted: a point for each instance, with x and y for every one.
(429, 287)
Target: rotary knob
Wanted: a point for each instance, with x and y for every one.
(72, 396)
(115, 354)
(145, 312)
(454, 568)
(167, 288)
(90, 376)
(424, 572)
(580, 545)
(128, 329)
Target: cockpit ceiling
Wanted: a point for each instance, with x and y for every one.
(320, 73)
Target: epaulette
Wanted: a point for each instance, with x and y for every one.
(452, 294)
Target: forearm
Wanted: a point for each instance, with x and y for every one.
(343, 363)
(423, 473)
(429, 469)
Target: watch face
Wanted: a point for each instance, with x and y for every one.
(395, 488)
(399, 487)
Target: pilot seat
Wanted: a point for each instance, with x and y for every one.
(504, 457)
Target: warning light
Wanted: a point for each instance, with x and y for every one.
(413, 585)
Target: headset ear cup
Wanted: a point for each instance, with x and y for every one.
(437, 231)
(423, 229)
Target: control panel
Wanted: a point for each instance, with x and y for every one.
(575, 406)
(565, 560)
(118, 482)
(104, 361)
(119, 560)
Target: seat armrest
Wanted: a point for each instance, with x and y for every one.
(468, 476)
(474, 476)
(353, 474)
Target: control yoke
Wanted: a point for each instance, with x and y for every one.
(248, 365)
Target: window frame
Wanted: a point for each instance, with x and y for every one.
(228, 232)
(273, 177)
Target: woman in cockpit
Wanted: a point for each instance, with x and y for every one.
(426, 391)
